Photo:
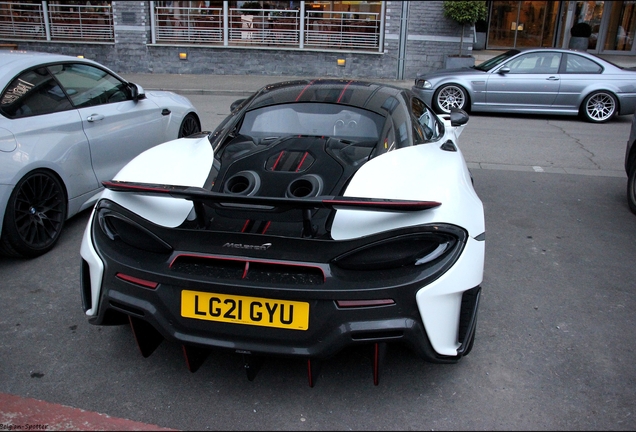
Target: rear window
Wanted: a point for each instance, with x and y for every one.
(313, 119)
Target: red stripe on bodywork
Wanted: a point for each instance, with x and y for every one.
(303, 90)
(343, 91)
(278, 160)
(302, 161)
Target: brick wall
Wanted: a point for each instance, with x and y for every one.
(430, 37)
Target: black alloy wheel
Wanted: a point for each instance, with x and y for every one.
(34, 216)
(190, 125)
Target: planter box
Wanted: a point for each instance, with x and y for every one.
(579, 43)
(456, 62)
(480, 41)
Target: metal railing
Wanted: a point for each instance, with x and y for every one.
(188, 25)
(22, 20)
(85, 22)
(56, 21)
(264, 27)
(267, 27)
(341, 30)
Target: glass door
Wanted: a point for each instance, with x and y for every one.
(522, 24)
(621, 28)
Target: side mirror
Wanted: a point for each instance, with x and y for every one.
(458, 117)
(503, 70)
(236, 103)
(136, 91)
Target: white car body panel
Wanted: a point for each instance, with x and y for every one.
(181, 162)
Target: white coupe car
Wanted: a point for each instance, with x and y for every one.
(66, 125)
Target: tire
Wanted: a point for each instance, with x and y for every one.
(631, 188)
(599, 107)
(189, 126)
(450, 96)
(34, 216)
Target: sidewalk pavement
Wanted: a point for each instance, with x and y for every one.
(18, 413)
(245, 85)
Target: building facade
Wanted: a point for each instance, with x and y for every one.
(361, 39)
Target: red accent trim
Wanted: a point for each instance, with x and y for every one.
(245, 269)
(247, 222)
(343, 91)
(114, 185)
(393, 204)
(259, 261)
(266, 227)
(303, 90)
(141, 282)
(363, 303)
(302, 161)
(278, 160)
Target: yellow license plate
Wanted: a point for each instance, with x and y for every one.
(256, 311)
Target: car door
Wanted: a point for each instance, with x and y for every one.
(577, 73)
(47, 132)
(527, 82)
(118, 128)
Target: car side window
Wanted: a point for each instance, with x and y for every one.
(88, 85)
(579, 64)
(34, 92)
(535, 63)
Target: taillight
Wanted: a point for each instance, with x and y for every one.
(405, 250)
(118, 227)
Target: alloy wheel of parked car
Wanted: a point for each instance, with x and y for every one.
(450, 96)
(631, 188)
(35, 215)
(599, 107)
(189, 125)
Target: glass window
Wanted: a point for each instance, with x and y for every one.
(578, 64)
(535, 63)
(88, 85)
(314, 119)
(35, 92)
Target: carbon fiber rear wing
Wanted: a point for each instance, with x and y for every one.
(200, 196)
(275, 204)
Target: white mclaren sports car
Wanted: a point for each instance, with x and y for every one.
(320, 215)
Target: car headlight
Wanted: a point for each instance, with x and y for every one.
(421, 83)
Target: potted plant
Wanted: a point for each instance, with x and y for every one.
(463, 12)
(580, 36)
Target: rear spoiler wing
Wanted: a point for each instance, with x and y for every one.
(200, 196)
(274, 204)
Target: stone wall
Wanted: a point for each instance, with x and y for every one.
(430, 37)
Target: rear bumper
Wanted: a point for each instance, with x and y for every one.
(432, 313)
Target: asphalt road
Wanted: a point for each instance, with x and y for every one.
(554, 346)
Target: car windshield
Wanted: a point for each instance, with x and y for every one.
(496, 61)
(313, 119)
